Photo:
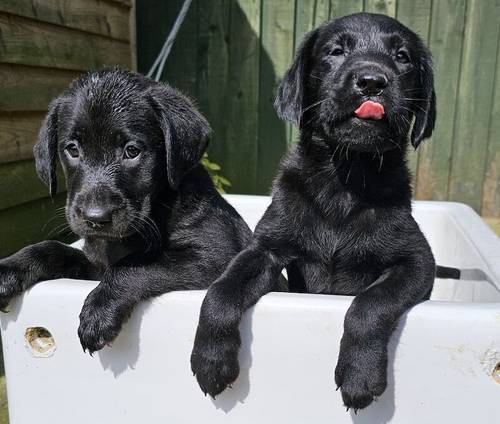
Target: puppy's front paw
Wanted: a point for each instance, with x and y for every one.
(361, 375)
(214, 360)
(12, 281)
(100, 321)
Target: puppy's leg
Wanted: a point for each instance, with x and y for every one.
(42, 261)
(361, 371)
(122, 287)
(251, 274)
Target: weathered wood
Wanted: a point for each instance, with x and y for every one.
(243, 96)
(31, 222)
(104, 18)
(304, 20)
(180, 68)
(491, 186)
(28, 42)
(276, 54)
(20, 184)
(321, 12)
(213, 73)
(475, 98)
(235, 88)
(340, 8)
(445, 42)
(133, 35)
(151, 14)
(386, 7)
(18, 133)
(123, 3)
(26, 88)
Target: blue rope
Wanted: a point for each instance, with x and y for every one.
(159, 63)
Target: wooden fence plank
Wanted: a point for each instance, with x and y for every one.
(415, 15)
(321, 12)
(26, 88)
(276, 54)
(213, 73)
(108, 19)
(463, 153)
(25, 41)
(180, 68)
(151, 14)
(491, 186)
(304, 20)
(123, 3)
(242, 100)
(445, 41)
(20, 184)
(385, 7)
(18, 133)
(474, 102)
(32, 222)
(340, 8)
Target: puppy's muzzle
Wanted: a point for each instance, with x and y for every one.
(96, 216)
(97, 207)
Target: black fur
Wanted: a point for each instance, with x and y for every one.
(340, 220)
(152, 223)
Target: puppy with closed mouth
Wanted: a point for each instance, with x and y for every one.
(360, 88)
(149, 214)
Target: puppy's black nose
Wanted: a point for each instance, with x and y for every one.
(97, 216)
(371, 83)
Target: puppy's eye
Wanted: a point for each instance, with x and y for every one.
(402, 56)
(131, 152)
(73, 150)
(337, 51)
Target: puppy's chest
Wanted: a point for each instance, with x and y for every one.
(358, 235)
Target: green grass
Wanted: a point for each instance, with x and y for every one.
(4, 415)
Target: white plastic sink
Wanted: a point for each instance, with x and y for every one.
(443, 368)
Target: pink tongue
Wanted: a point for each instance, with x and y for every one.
(370, 110)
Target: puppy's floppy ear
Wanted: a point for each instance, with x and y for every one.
(185, 131)
(45, 149)
(288, 102)
(425, 114)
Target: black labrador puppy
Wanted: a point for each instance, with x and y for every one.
(151, 219)
(360, 88)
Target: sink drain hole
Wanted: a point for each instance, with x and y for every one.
(40, 342)
(496, 373)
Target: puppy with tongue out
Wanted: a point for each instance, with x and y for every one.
(340, 220)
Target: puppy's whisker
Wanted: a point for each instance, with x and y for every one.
(139, 230)
(404, 73)
(314, 105)
(409, 110)
(380, 163)
(316, 77)
(148, 225)
(57, 215)
(405, 119)
(415, 99)
(349, 172)
(60, 229)
(390, 140)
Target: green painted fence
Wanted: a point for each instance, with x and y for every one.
(230, 55)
